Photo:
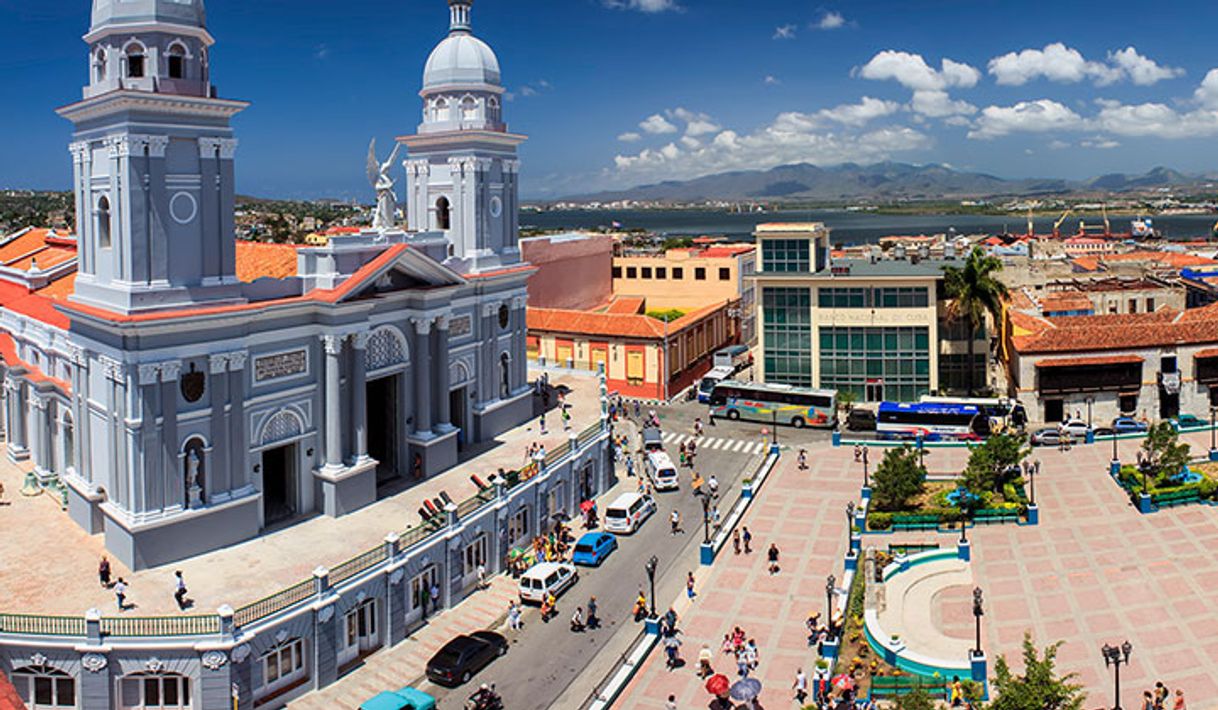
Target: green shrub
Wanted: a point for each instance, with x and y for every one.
(1208, 488)
(879, 521)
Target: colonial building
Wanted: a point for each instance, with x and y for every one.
(188, 390)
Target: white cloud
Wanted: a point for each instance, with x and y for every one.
(830, 21)
(527, 90)
(1155, 119)
(690, 142)
(1066, 65)
(630, 137)
(866, 110)
(937, 104)
(784, 32)
(912, 72)
(1058, 145)
(1207, 93)
(1025, 117)
(791, 138)
(650, 6)
(657, 125)
(1100, 143)
(771, 80)
(1139, 69)
(696, 124)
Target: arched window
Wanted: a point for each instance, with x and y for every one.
(442, 109)
(99, 65)
(177, 61)
(135, 61)
(492, 108)
(42, 686)
(155, 690)
(443, 214)
(193, 472)
(69, 441)
(505, 367)
(103, 222)
(469, 109)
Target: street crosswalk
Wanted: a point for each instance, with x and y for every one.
(713, 443)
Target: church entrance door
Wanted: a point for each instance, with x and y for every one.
(456, 406)
(382, 423)
(278, 484)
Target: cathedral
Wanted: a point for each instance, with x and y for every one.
(184, 390)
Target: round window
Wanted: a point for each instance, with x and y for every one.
(505, 316)
(496, 206)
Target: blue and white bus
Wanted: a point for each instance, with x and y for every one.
(780, 404)
(1005, 414)
(932, 421)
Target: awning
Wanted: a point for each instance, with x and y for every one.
(1090, 361)
(1203, 354)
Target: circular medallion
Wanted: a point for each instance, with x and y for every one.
(183, 207)
(496, 206)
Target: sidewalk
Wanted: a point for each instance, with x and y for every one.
(58, 561)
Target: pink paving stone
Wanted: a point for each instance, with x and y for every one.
(1099, 624)
(1012, 609)
(1005, 588)
(1134, 594)
(1160, 635)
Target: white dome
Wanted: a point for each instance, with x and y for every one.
(461, 59)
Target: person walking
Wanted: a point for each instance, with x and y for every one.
(671, 704)
(179, 592)
(481, 576)
(803, 459)
(514, 616)
(736, 541)
(577, 620)
(697, 426)
(800, 686)
(747, 537)
(1179, 704)
(675, 519)
(543, 424)
(712, 485)
(593, 620)
(103, 572)
(435, 597)
(772, 555)
(742, 665)
(689, 586)
(858, 453)
(1161, 694)
(1148, 701)
(705, 656)
(715, 520)
(120, 594)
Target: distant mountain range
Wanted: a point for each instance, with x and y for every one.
(882, 181)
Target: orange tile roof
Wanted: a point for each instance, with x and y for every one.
(1208, 352)
(1065, 301)
(555, 320)
(1084, 361)
(628, 305)
(256, 260)
(24, 245)
(60, 288)
(8, 353)
(1175, 260)
(45, 258)
(1115, 332)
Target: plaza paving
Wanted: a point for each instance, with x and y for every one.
(1095, 571)
(50, 564)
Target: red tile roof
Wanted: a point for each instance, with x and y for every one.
(1065, 301)
(1083, 361)
(555, 320)
(1207, 353)
(1116, 332)
(257, 260)
(1175, 260)
(626, 305)
(34, 374)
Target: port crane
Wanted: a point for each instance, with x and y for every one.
(1057, 226)
(1083, 229)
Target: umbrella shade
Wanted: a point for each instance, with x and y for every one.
(843, 682)
(746, 690)
(718, 684)
(587, 505)
(561, 517)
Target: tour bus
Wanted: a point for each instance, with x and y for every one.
(662, 472)
(777, 404)
(711, 379)
(627, 512)
(931, 420)
(1004, 413)
(734, 358)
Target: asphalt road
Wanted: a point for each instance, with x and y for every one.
(546, 657)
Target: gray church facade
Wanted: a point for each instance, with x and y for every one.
(183, 400)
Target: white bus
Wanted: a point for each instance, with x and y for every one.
(1004, 413)
(710, 379)
(779, 404)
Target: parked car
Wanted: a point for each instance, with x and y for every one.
(1189, 421)
(1047, 437)
(1077, 429)
(860, 420)
(546, 578)
(1128, 425)
(592, 548)
(405, 699)
(1105, 431)
(464, 656)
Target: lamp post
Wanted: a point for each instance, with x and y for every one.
(1114, 656)
(850, 516)
(774, 413)
(978, 612)
(706, 519)
(830, 585)
(1116, 459)
(1090, 401)
(1213, 445)
(964, 518)
(1144, 469)
(651, 577)
(866, 478)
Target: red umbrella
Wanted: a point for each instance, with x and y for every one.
(718, 685)
(587, 505)
(843, 682)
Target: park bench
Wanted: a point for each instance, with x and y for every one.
(1174, 498)
(995, 516)
(912, 548)
(915, 522)
(889, 686)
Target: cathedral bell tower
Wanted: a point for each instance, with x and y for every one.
(153, 162)
(461, 178)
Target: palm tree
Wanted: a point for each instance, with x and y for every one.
(974, 291)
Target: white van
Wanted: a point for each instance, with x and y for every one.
(662, 472)
(628, 512)
(546, 578)
(712, 378)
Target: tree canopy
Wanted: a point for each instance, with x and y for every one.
(974, 290)
(994, 463)
(898, 478)
(1039, 688)
(1162, 446)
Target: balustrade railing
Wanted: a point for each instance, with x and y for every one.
(34, 625)
(139, 626)
(275, 603)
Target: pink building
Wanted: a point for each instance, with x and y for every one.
(574, 271)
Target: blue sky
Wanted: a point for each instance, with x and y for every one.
(620, 92)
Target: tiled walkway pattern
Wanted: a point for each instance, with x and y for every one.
(1095, 571)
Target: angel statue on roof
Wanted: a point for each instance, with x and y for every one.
(386, 198)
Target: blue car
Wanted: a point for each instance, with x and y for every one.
(1128, 425)
(593, 548)
(405, 699)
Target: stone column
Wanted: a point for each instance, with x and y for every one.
(422, 375)
(218, 477)
(171, 462)
(38, 420)
(445, 418)
(489, 362)
(333, 347)
(81, 415)
(359, 394)
(18, 447)
(520, 366)
(238, 447)
(149, 379)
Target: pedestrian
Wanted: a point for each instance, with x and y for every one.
(629, 466)
(697, 426)
(179, 592)
(742, 665)
(747, 537)
(120, 593)
(481, 576)
(514, 616)
(672, 645)
(675, 519)
(803, 459)
(435, 597)
(636, 409)
(957, 694)
(689, 586)
(800, 686)
(424, 597)
(715, 519)
(543, 424)
(103, 572)
(593, 620)
(1148, 701)
(1160, 695)
(772, 555)
(858, 453)
(1179, 704)
(705, 656)
(672, 703)
(751, 654)
(566, 419)
(577, 620)
(713, 485)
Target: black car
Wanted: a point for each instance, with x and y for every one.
(464, 656)
(860, 420)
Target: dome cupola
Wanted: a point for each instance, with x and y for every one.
(461, 59)
(158, 46)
